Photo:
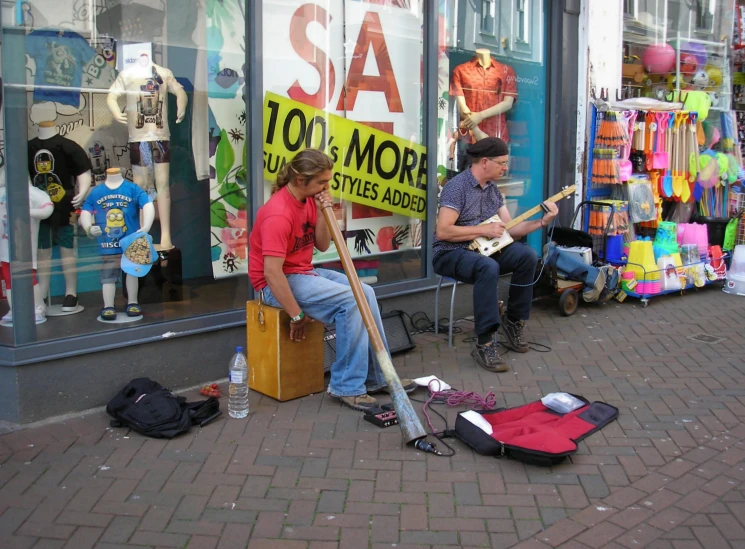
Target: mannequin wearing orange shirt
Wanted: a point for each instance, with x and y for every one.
(484, 90)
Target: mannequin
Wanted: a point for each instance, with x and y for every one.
(56, 164)
(111, 211)
(41, 207)
(484, 90)
(146, 114)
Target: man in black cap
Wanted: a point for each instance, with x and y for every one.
(467, 200)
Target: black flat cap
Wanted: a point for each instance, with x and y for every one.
(488, 147)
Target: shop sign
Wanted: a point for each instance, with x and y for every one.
(371, 167)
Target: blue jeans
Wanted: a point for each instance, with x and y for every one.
(327, 297)
(483, 272)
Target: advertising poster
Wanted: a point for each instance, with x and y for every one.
(225, 65)
(353, 70)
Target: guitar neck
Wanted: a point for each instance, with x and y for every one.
(531, 212)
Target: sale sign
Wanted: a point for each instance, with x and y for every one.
(371, 167)
(345, 74)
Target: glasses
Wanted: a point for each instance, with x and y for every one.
(502, 163)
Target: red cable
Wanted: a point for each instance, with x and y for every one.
(457, 398)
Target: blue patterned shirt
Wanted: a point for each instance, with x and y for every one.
(473, 204)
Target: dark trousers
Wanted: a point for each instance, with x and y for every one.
(483, 272)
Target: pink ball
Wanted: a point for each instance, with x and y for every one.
(659, 58)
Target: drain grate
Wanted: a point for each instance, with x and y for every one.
(706, 338)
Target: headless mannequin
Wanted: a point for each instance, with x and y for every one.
(471, 120)
(113, 181)
(140, 174)
(38, 214)
(47, 130)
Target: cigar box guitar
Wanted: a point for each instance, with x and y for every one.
(489, 246)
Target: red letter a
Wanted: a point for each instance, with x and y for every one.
(371, 32)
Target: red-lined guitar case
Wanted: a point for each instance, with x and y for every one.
(534, 433)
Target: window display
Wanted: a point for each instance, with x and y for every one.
(41, 208)
(56, 165)
(487, 59)
(351, 84)
(678, 52)
(135, 130)
(484, 90)
(146, 85)
(111, 212)
(60, 57)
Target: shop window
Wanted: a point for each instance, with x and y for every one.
(629, 8)
(487, 16)
(705, 11)
(346, 76)
(153, 93)
(679, 46)
(664, 164)
(494, 86)
(521, 27)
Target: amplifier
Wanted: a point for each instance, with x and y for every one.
(583, 254)
(396, 333)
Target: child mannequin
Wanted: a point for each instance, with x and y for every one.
(57, 165)
(110, 212)
(41, 207)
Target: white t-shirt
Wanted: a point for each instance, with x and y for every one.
(147, 101)
(41, 207)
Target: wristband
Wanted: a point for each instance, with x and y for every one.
(298, 318)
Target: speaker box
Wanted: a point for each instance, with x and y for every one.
(396, 333)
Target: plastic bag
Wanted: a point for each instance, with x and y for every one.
(562, 403)
(642, 204)
(681, 212)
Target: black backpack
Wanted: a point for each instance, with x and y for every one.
(152, 410)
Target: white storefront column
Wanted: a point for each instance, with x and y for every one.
(600, 63)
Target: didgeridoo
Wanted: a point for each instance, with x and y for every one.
(411, 427)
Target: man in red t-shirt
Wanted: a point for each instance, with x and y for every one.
(281, 244)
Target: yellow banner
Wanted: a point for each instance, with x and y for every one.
(371, 167)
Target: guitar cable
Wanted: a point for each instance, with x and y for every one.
(452, 397)
(543, 263)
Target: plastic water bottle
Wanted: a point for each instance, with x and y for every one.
(238, 379)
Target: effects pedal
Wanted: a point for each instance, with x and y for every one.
(382, 417)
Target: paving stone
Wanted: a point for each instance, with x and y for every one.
(429, 537)
(331, 501)
(594, 485)
(640, 536)
(159, 539)
(550, 515)
(600, 534)
(561, 532)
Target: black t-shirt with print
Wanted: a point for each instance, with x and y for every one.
(53, 165)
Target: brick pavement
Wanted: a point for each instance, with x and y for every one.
(308, 474)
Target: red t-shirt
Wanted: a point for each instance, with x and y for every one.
(285, 228)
